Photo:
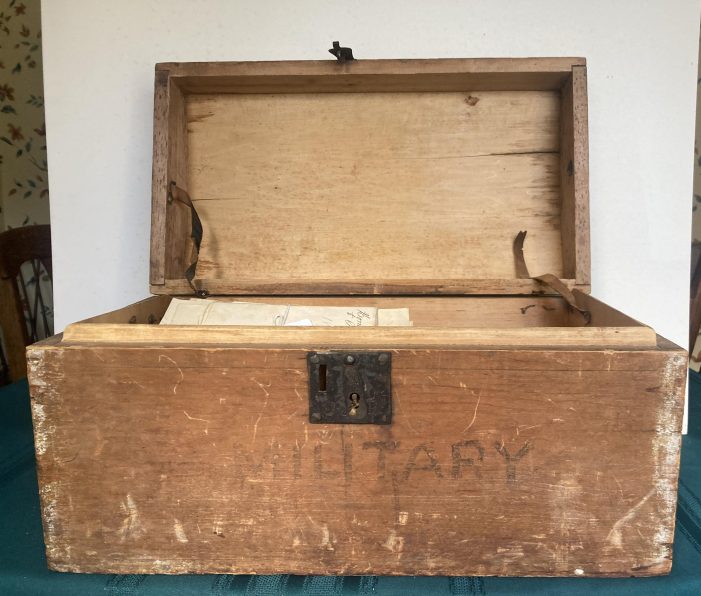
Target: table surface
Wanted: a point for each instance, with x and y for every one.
(23, 565)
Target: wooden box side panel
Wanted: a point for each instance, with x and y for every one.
(531, 462)
(574, 178)
(172, 247)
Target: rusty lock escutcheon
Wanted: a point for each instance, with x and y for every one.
(350, 387)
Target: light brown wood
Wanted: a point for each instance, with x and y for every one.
(574, 176)
(421, 188)
(376, 186)
(171, 245)
(444, 311)
(322, 287)
(371, 338)
(479, 74)
(448, 321)
(159, 179)
(510, 461)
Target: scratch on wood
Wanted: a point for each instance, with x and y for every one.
(394, 543)
(474, 414)
(180, 535)
(43, 433)
(615, 536)
(265, 404)
(263, 387)
(620, 488)
(175, 364)
(193, 418)
(327, 540)
(131, 526)
(99, 443)
(523, 427)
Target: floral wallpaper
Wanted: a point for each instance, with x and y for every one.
(24, 191)
(696, 205)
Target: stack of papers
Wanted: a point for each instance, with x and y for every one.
(216, 312)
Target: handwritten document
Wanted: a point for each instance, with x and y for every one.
(216, 312)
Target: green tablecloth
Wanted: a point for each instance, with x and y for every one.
(23, 567)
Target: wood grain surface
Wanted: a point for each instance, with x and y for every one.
(446, 321)
(186, 459)
(374, 186)
(375, 177)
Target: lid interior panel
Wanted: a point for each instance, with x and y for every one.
(368, 187)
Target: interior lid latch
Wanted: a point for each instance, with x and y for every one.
(342, 54)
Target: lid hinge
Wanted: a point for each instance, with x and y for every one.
(175, 193)
(550, 280)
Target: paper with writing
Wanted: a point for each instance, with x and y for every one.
(217, 312)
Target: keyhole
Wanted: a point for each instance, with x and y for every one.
(355, 404)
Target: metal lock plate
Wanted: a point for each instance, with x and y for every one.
(350, 387)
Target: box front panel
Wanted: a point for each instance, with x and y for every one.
(187, 459)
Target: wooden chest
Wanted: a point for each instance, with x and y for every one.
(528, 429)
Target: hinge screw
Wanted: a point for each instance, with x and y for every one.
(350, 359)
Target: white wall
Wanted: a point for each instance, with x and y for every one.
(99, 57)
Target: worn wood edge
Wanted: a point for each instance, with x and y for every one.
(159, 178)
(180, 287)
(46, 342)
(376, 66)
(580, 131)
(48, 496)
(361, 337)
(193, 568)
(668, 443)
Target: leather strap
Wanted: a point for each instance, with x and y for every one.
(550, 280)
(175, 193)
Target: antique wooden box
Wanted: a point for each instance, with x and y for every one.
(527, 430)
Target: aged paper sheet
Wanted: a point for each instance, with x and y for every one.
(215, 312)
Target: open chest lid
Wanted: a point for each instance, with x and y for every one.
(369, 176)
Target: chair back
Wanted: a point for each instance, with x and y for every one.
(26, 276)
